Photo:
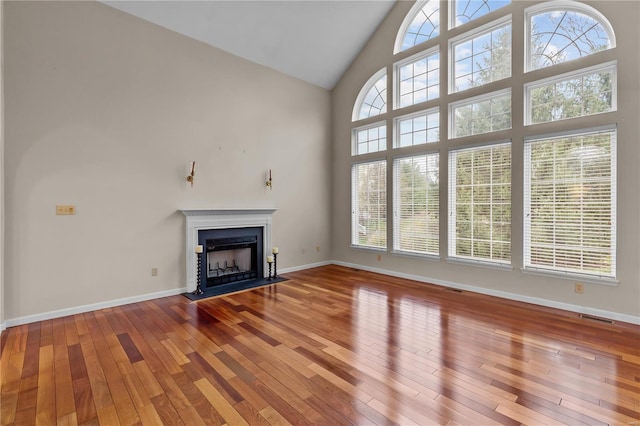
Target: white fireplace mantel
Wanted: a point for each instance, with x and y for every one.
(203, 219)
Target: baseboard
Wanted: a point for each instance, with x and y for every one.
(503, 294)
(307, 266)
(92, 307)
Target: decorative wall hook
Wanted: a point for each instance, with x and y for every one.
(270, 181)
(193, 172)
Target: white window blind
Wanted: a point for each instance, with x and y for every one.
(369, 204)
(480, 203)
(570, 203)
(416, 204)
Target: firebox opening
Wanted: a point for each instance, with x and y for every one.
(231, 255)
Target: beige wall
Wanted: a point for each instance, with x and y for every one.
(622, 300)
(105, 111)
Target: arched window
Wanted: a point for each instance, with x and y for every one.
(421, 24)
(463, 11)
(568, 169)
(563, 31)
(372, 99)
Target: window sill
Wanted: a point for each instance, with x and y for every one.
(572, 277)
(367, 248)
(479, 263)
(424, 256)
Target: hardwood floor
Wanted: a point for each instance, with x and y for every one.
(330, 346)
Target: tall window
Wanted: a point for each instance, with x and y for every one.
(570, 203)
(480, 203)
(369, 192)
(416, 204)
(453, 89)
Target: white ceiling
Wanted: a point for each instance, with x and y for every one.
(314, 41)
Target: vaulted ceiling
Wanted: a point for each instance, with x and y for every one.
(314, 41)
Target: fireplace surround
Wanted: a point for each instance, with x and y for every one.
(223, 230)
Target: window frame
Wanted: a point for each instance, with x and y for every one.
(355, 116)
(410, 16)
(453, 15)
(452, 229)
(564, 5)
(355, 224)
(354, 138)
(397, 128)
(526, 209)
(558, 78)
(396, 206)
(470, 35)
(477, 99)
(425, 54)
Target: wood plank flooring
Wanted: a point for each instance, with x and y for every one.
(330, 346)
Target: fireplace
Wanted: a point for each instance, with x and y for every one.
(230, 255)
(222, 233)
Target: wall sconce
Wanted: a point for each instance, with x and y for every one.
(269, 180)
(193, 172)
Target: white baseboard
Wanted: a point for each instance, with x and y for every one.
(503, 294)
(307, 266)
(92, 307)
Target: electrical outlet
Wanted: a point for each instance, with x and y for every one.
(318, 249)
(62, 209)
(154, 272)
(379, 258)
(579, 288)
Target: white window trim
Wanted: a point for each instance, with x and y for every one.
(354, 225)
(526, 210)
(396, 75)
(472, 100)
(363, 93)
(354, 138)
(564, 5)
(608, 66)
(396, 222)
(397, 46)
(471, 34)
(396, 125)
(452, 14)
(452, 217)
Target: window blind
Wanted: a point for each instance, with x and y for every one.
(416, 204)
(369, 204)
(480, 203)
(570, 203)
